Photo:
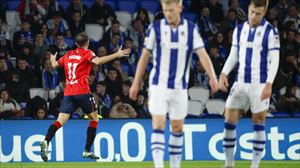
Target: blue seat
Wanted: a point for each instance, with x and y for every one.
(190, 16)
(12, 5)
(296, 114)
(65, 4)
(130, 6)
(76, 116)
(281, 114)
(69, 41)
(112, 4)
(152, 6)
(88, 3)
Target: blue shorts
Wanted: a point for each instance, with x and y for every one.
(85, 101)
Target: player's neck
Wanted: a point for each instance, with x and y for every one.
(175, 23)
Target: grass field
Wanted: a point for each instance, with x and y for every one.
(185, 164)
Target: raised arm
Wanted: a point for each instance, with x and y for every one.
(105, 59)
(54, 63)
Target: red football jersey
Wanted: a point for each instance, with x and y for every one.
(77, 66)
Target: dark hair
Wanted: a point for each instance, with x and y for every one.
(260, 3)
(81, 39)
(101, 83)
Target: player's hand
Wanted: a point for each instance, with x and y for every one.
(124, 52)
(133, 92)
(213, 82)
(53, 57)
(223, 82)
(267, 91)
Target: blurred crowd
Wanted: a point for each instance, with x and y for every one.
(47, 27)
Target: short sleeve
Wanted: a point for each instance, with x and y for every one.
(61, 61)
(234, 37)
(150, 38)
(197, 40)
(274, 41)
(90, 56)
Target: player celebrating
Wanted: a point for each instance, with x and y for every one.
(171, 41)
(255, 47)
(77, 66)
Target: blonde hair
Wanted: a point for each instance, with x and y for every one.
(170, 1)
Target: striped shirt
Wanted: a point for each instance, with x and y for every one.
(172, 49)
(253, 45)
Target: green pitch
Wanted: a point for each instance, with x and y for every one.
(185, 164)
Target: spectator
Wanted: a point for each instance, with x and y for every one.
(113, 82)
(34, 104)
(116, 63)
(40, 47)
(201, 77)
(54, 103)
(206, 24)
(47, 35)
(293, 16)
(92, 81)
(23, 36)
(58, 25)
(125, 93)
(31, 10)
(142, 106)
(41, 114)
(196, 6)
(216, 59)
(97, 71)
(4, 33)
(230, 21)
(52, 7)
(132, 59)
(77, 5)
(101, 13)
(5, 74)
(104, 101)
(235, 4)
(49, 76)
(122, 110)
(19, 90)
(282, 8)
(62, 47)
(26, 74)
(272, 17)
(220, 42)
(76, 24)
(9, 107)
(290, 42)
(216, 10)
(114, 44)
(143, 16)
(137, 34)
(114, 29)
(289, 102)
(102, 51)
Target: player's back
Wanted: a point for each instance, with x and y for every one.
(77, 66)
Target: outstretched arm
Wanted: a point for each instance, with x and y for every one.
(105, 59)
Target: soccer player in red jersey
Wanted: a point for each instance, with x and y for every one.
(77, 65)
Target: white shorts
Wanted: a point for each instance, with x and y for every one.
(244, 96)
(172, 101)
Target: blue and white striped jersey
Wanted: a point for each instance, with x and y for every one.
(253, 46)
(172, 49)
